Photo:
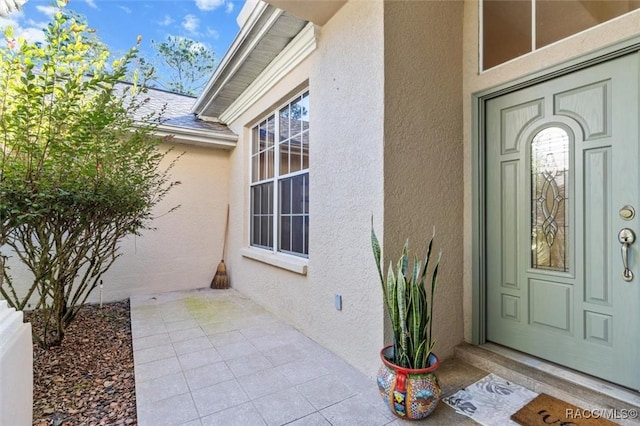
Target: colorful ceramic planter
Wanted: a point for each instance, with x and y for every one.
(411, 394)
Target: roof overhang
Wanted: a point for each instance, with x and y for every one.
(317, 11)
(198, 137)
(265, 33)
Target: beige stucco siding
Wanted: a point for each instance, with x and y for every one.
(583, 43)
(186, 246)
(345, 79)
(423, 146)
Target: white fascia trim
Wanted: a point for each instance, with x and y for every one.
(279, 260)
(291, 56)
(202, 103)
(197, 137)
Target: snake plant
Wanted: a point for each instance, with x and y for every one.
(408, 298)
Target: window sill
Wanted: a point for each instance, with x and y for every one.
(283, 261)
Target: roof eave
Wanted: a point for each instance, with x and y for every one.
(206, 138)
(206, 97)
(317, 11)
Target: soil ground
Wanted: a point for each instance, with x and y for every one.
(89, 379)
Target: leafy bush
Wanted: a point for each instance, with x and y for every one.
(80, 168)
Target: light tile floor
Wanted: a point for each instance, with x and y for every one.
(214, 357)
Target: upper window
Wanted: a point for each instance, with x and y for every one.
(511, 28)
(280, 179)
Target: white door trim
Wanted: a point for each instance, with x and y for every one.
(478, 161)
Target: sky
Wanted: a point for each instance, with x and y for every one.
(119, 22)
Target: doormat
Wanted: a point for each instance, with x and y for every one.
(490, 401)
(545, 409)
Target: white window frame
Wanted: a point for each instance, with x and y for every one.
(254, 249)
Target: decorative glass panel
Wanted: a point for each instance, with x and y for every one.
(550, 198)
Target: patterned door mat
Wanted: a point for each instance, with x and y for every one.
(545, 409)
(490, 401)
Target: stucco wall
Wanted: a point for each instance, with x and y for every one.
(186, 246)
(16, 368)
(588, 41)
(345, 78)
(423, 146)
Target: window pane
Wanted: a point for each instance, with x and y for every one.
(305, 150)
(284, 158)
(506, 30)
(305, 200)
(255, 231)
(285, 233)
(296, 118)
(549, 200)
(255, 138)
(265, 199)
(262, 215)
(297, 234)
(255, 200)
(263, 165)
(264, 231)
(306, 235)
(304, 111)
(271, 130)
(270, 166)
(556, 20)
(263, 136)
(298, 189)
(284, 123)
(255, 168)
(285, 196)
(295, 163)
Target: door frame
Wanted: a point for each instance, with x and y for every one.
(478, 164)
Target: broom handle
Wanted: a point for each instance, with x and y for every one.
(226, 227)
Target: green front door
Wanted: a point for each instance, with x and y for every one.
(562, 182)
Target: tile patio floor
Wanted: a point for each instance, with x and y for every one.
(214, 357)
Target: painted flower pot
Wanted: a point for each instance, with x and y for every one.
(411, 394)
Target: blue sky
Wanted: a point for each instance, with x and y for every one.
(119, 22)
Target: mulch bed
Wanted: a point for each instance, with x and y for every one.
(89, 379)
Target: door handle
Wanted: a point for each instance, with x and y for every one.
(626, 238)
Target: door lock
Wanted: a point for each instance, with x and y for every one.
(626, 237)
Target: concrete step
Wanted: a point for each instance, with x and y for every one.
(540, 376)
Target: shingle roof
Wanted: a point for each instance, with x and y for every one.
(177, 122)
(177, 111)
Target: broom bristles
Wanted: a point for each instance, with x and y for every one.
(220, 279)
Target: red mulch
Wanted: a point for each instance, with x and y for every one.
(89, 379)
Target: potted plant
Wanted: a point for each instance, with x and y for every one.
(406, 379)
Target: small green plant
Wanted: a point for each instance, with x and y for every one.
(409, 306)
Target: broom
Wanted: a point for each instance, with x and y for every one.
(220, 279)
